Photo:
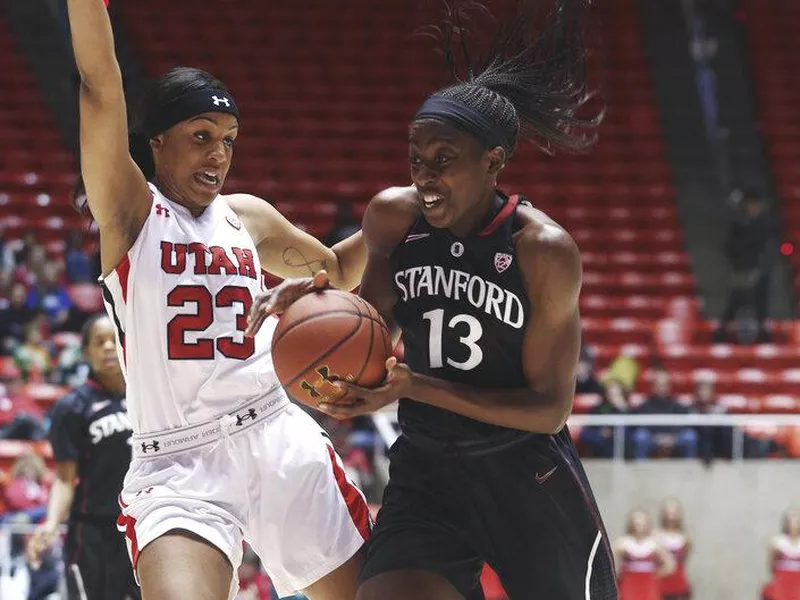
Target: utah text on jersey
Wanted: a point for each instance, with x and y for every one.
(428, 280)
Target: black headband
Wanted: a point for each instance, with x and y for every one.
(489, 134)
(190, 105)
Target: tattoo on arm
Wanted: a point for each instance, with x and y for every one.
(293, 257)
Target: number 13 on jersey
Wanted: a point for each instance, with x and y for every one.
(474, 332)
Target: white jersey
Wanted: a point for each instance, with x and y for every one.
(180, 300)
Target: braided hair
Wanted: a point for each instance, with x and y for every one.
(531, 84)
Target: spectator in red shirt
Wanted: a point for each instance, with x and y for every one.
(27, 492)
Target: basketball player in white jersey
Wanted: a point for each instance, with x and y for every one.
(219, 453)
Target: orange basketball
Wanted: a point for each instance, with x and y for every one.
(327, 336)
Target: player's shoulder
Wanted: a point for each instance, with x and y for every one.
(397, 201)
(541, 238)
(389, 215)
(75, 400)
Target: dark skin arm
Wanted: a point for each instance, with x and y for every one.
(551, 270)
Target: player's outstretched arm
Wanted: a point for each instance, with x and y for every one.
(551, 269)
(289, 252)
(116, 189)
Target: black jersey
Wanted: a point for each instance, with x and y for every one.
(91, 427)
(462, 308)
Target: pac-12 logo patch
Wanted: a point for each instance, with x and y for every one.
(234, 221)
(502, 261)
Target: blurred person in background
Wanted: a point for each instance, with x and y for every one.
(672, 440)
(600, 440)
(346, 224)
(751, 250)
(32, 269)
(14, 318)
(51, 297)
(585, 378)
(32, 357)
(254, 584)
(90, 436)
(77, 264)
(640, 560)
(713, 442)
(27, 491)
(784, 561)
(672, 537)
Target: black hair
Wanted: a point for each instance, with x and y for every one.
(532, 82)
(173, 84)
(88, 327)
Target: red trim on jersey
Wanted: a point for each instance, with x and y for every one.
(356, 504)
(127, 525)
(92, 383)
(504, 213)
(122, 269)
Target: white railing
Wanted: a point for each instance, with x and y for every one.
(386, 424)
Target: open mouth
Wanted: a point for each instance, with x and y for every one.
(207, 178)
(431, 200)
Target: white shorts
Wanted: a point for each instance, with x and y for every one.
(279, 485)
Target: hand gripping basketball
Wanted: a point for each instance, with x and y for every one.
(281, 297)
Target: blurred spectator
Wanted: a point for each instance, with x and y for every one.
(346, 224)
(30, 271)
(78, 265)
(713, 442)
(21, 418)
(600, 440)
(585, 379)
(751, 250)
(20, 249)
(14, 318)
(253, 582)
(668, 439)
(32, 356)
(27, 491)
(6, 281)
(51, 297)
(6, 251)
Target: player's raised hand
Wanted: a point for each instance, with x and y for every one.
(355, 400)
(281, 297)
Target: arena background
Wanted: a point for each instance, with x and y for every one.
(703, 114)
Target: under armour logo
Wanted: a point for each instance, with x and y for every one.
(326, 380)
(162, 210)
(220, 101)
(147, 447)
(144, 491)
(250, 414)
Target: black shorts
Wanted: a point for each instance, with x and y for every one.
(525, 509)
(96, 562)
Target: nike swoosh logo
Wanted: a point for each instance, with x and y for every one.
(416, 236)
(542, 478)
(98, 406)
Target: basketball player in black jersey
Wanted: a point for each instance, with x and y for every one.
(90, 436)
(484, 289)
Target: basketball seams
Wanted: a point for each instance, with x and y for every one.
(359, 303)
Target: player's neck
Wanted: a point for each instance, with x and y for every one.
(112, 384)
(479, 217)
(171, 192)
